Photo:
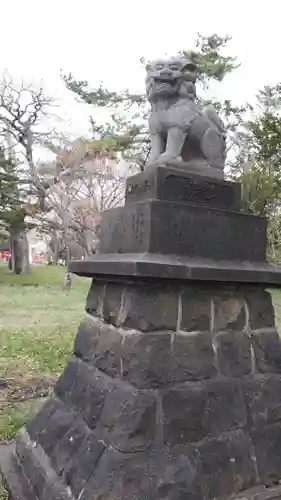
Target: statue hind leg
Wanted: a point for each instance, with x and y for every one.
(213, 148)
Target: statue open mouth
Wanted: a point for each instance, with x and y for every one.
(165, 85)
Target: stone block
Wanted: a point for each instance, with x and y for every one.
(65, 383)
(87, 337)
(128, 419)
(183, 413)
(160, 227)
(267, 350)
(164, 474)
(227, 465)
(94, 302)
(84, 388)
(112, 302)
(176, 473)
(55, 491)
(118, 476)
(196, 310)
(82, 465)
(69, 445)
(93, 390)
(263, 398)
(168, 184)
(233, 351)
(150, 307)
(15, 480)
(32, 469)
(225, 407)
(55, 428)
(229, 313)
(164, 266)
(37, 469)
(267, 444)
(261, 312)
(107, 355)
(193, 410)
(192, 356)
(162, 358)
(37, 423)
(147, 359)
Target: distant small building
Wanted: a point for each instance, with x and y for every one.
(37, 246)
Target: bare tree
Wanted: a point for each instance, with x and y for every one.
(84, 180)
(22, 109)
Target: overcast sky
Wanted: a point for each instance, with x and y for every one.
(103, 41)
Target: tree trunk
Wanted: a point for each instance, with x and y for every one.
(54, 247)
(19, 251)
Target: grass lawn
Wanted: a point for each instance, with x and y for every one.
(38, 322)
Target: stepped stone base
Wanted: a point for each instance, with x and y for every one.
(173, 392)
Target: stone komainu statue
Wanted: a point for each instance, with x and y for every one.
(178, 126)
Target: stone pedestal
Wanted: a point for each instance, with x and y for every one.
(173, 391)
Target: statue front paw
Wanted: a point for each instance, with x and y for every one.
(165, 158)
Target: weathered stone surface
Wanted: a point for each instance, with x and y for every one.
(183, 413)
(32, 469)
(100, 344)
(150, 307)
(261, 312)
(69, 445)
(263, 398)
(15, 480)
(94, 302)
(267, 350)
(128, 419)
(146, 359)
(37, 423)
(163, 358)
(227, 465)
(170, 184)
(193, 356)
(267, 442)
(225, 406)
(119, 476)
(37, 469)
(107, 356)
(178, 473)
(233, 350)
(82, 465)
(164, 474)
(258, 493)
(87, 337)
(196, 310)
(84, 388)
(65, 383)
(163, 266)
(112, 302)
(13, 477)
(229, 313)
(160, 227)
(191, 411)
(55, 428)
